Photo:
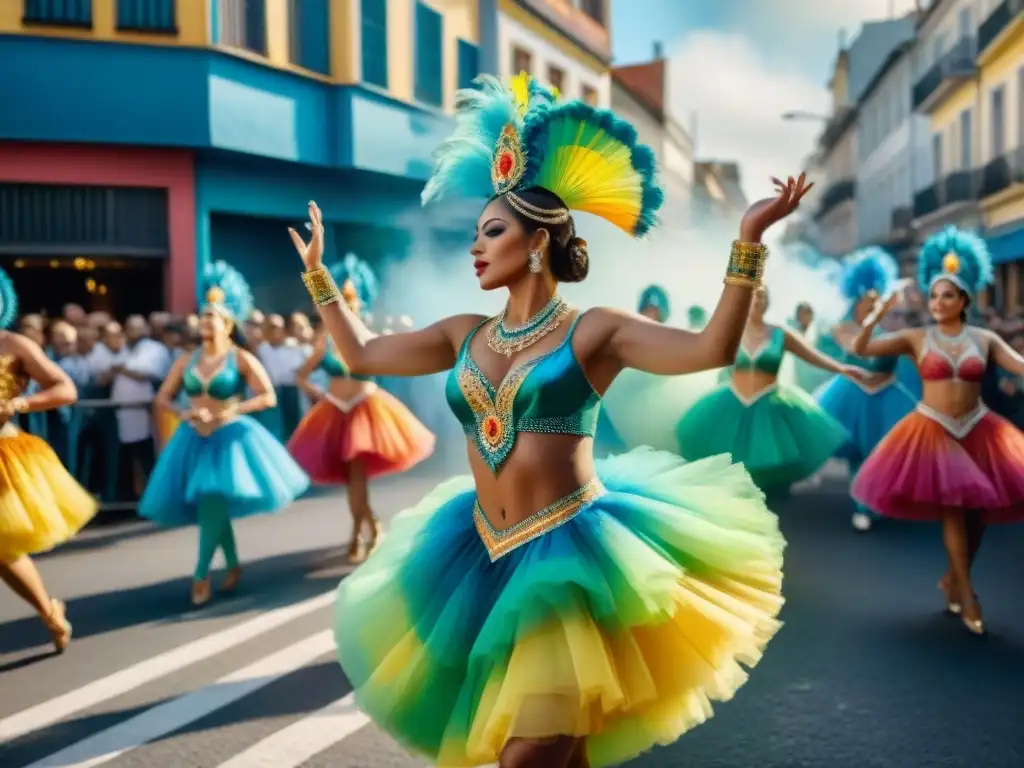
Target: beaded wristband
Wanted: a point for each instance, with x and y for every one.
(321, 286)
(746, 264)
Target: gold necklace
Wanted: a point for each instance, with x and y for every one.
(508, 341)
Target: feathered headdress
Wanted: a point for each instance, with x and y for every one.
(8, 300)
(865, 271)
(655, 296)
(508, 139)
(955, 255)
(356, 279)
(227, 292)
(696, 316)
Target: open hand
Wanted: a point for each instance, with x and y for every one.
(764, 213)
(858, 374)
(883, 306)
(312, 253)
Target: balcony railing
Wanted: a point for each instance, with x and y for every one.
(997, 21)
(1003, 172)
(157, 16)
(837, 193)
(957, 63)
(956, 187)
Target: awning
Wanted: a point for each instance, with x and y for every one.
(1007, 245)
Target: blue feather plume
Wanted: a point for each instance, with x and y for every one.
(866, 270)
(362, 276)
(238, 299)
(975, 268)
(8, 300)
(655, 296)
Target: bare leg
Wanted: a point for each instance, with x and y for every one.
(359, 509)
(24, 579)
(954, 536)
(975, 529)
(557, 752)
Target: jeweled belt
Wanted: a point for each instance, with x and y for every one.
(958, 426)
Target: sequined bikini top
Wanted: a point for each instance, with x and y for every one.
(767, 358)
(223, 384)
(548, 393)
(12, 381)
(935, 364)
(334, 366)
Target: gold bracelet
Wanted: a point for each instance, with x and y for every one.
(19, 404)
(742, 282)
(321, 286)
(746, 264)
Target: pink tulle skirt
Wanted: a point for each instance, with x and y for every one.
(921, 467)
(376, 429)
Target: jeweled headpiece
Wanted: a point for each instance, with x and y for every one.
(956, 255)
(655, 296)
(8, 300)
(510, 138)
(357, 280)
(226, 292)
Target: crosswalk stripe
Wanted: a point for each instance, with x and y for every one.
(290, 747)
(166, 718)
(56, 709)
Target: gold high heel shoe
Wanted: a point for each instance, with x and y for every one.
(58, 625)
(356, 551)
(952, 607)
(201, 592)
(230, 582)
(376, 534)
(974, 626)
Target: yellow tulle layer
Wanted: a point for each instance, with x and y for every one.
(41, 504)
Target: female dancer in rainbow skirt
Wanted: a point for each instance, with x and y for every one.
(951, 459)
(550, 610)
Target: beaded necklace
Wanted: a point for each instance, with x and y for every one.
(508, 341)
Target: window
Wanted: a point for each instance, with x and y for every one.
(375, 42)
(998, 121)
(429, 55)
(589, 95)
(146, 15)
(964, 22)
(242, 24)
(937, 155)
(556, 79)
(966, 141)
(62, 13)
(594, 9)
(522, 61)
(309, 43)
(469, 63)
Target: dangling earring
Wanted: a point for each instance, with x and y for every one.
(536, 261)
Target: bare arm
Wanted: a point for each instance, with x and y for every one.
(256, 377)
(306, 370)
(164, 399)
(57, 387)
(889, 345)
(1004, 355)
(807, 353)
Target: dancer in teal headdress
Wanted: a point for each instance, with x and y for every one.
(220, 463)
(867, 409)
(778, 432)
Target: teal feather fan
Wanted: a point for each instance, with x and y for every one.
(227, 291)
(8, 300)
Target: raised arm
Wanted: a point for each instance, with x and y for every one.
(795, 344)
(648, 346)
(57, 388)
(1004, 355)
(411, 353)
(888, 345)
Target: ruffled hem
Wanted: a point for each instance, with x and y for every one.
(867, 417)
(41, 504)
(620, 626)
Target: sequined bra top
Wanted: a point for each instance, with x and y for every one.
(12, 381)
(224, 383)
(547, 393)
(935, 364)
(335, 367)
(882, 365)
(767, 358)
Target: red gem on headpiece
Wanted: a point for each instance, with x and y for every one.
(505, 164)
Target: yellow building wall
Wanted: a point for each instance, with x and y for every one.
(552, 37)
(193, 25)
(345, 40)
(1007, 205)
(945, 120)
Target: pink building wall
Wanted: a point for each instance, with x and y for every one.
(118, 166)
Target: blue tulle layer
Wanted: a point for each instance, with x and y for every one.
(241, 463)
(867, 417)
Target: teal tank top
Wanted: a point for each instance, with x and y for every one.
(335, 367)
(548, 393)
(886, 365)
(767, 358)
(226, 382)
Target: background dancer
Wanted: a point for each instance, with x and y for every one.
(538, 633)
(869, 409)
(220, 463)
(779, 433)
(41, 505)
(356, 431)
(951, 459)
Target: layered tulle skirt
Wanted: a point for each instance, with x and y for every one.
(923, 466)
(781, 435)
(376, 428)
(41, 504)
(241, 464)
(616, 614)
(866, 416)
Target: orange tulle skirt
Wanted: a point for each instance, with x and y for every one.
(376, 429)
(164, 422)
(41, 504)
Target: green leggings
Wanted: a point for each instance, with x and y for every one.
(215, 532)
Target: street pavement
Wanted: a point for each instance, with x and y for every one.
(867, 672)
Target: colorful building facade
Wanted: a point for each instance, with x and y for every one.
(151, 136)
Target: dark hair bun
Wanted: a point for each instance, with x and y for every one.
(571, 263)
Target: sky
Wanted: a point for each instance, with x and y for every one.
(737, 65)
